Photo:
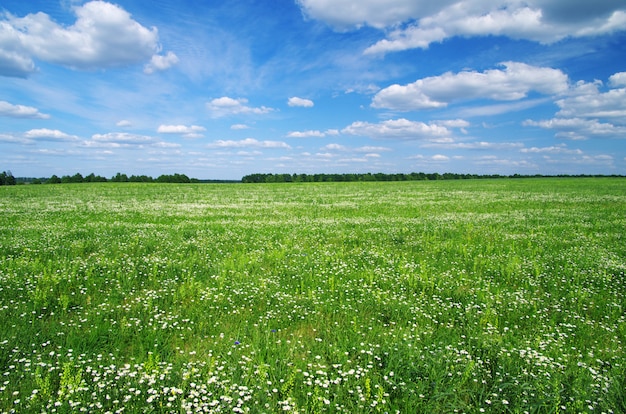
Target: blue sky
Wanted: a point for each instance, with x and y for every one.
(224, 89)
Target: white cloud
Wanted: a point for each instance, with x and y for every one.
(512, 83)
(454, 123)
(368, 148)
(346, 14)
(579, 129)
(334, 147)
(248, 143)
(501, 108)
(160, 63)
(104, 35)
(192, 131)
(122, 139)
(225, 105)
(475, 145)
(12, 139)
(239, 126)
(618, 79)
(604, 160)
(295, 101)
(586, 101)
(124, 123)
(306, 134)
(46, 134)
(418, 23)
(20, 111)
(586, 112)
(167, 145)
(554, 149)
(396, 129)
(440, 157)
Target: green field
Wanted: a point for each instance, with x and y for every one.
(413, 297)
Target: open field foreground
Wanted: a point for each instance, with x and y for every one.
(413, 297)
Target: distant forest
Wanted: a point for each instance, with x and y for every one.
(7, 178)
(301, 178)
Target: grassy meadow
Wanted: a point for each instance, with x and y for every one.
(497, 296)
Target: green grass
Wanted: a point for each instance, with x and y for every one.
(487, 295)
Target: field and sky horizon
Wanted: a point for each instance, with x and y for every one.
(224, 89)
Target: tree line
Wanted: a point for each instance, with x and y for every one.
(6, 178)
(414, 176)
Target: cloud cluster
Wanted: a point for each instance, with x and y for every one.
(418, 23)
(224, 106)
(397, 129)
(104, 35)
(588, 112)
(513, 82)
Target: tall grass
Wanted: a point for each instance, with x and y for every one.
(467, 296)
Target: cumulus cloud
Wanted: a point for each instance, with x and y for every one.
(192, 131)
(248, 143)
(124, 123)
(46, 134)
(225, 106)
(513, 82)
(587, 101)
(20, 111)
(104, 35)
(295, 101)
(586, 111)
(418, 23)
(618, 79)
(396, 129)
(161, 63)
